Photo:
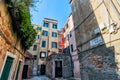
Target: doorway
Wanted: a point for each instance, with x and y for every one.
(58, 68)
(43, 69)
(24, 73)
(7, 67)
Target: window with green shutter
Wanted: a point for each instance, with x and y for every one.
(7, 68)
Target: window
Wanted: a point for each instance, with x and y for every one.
(39, 28)
(54, 26)
(43, 43)
(71, 48)
(45, 25)
(54, 34)
(37, 37)
(45, 33)
(54, 44)
(42, 54)
(34, 47)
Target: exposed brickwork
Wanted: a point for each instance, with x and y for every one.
(99, 61)
(7, 39)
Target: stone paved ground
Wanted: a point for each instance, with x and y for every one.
(38, 78)
(46, 78)
(66, 79)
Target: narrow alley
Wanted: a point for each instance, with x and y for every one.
(59, 39)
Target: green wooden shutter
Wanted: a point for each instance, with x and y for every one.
(6, 69)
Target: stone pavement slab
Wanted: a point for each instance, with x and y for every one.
(38, 78)
(46, 78)
(66, 79)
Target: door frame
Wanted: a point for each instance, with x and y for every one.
(12, 56)
(53, 70)
(44, 67)
(20, 60)
(24, 67)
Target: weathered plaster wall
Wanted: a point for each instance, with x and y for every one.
(6, 29)
(72, 41)
(101, 61)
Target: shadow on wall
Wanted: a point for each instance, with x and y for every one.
(97, 45)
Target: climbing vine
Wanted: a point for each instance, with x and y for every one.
(28, 33)
(19, 10)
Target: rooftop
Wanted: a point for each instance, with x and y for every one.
(50, 19)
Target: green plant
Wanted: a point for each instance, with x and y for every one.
(25, 32)
(28, 32)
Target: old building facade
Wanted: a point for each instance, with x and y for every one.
(50, 36)
(73, 48)
(35, 48)
(70, 43)
(48, 43)
(61, 65)
(97, 30)
(11, 53)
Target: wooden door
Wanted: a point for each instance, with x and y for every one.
(58, 68)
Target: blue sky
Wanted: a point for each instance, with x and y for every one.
(55, 9)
